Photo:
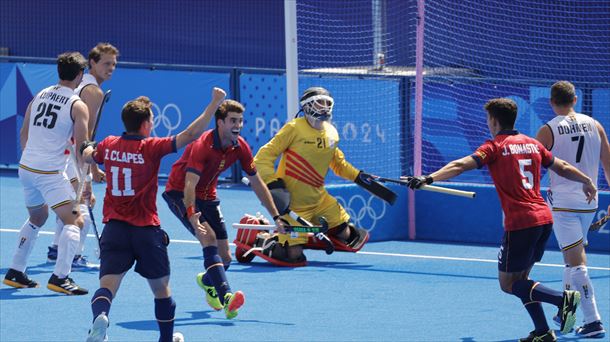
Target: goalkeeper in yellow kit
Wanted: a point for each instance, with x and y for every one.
(308, 147)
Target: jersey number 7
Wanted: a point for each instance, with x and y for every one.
(581, 144)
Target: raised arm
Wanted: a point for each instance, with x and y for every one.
(452, 169)
(342, 167)
(194, 130)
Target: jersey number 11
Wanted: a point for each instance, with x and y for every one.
(127, 191)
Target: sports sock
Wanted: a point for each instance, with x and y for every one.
(567, 277)
(582, 283)
(529, 290)
(59, 226)
(215, 272)
(165, 309)
(101, 301)
(27, 237)
(68, 243)
(84, 211)
(534, 309)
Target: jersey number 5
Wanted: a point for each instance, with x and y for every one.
(114, 185)
(528, 177)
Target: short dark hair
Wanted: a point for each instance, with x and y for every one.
(96, 53)
(563, 93)
(135, 112)
(503, 110)
(69, 65)
(228, 106)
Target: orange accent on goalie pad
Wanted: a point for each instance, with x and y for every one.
(245, 239)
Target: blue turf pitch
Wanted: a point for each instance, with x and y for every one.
(391, 291)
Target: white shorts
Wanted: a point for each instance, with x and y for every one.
(571, 227)
(53, 189)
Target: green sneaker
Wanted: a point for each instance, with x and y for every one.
(571, 301)
(233, 301)
(210, 293)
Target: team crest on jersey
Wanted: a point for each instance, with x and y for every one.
(221, 165)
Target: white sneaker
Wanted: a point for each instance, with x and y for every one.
(98, 330)
(178, 337)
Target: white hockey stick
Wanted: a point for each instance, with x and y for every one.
(433, 188)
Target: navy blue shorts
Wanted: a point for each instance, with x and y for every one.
(521, 249)
(210, 213)
(123, 244)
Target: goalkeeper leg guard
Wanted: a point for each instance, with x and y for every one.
(355, 241)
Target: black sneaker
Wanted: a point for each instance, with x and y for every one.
(571, 300)
(548, 336)
(591, 330)
(18, 279)
(65, 285)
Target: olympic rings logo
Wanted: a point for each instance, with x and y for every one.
(161, 117)
(364, 213)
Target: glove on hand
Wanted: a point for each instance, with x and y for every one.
(419, 181)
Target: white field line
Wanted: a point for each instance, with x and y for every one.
(400, 255)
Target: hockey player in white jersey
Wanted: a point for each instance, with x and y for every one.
(102, 62)
(53, 116)
(581, 141)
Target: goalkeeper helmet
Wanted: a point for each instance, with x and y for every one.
(317, 103)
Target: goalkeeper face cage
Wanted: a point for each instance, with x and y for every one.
(319, 107)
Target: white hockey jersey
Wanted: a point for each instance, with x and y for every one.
(50, 128)
(577, 141)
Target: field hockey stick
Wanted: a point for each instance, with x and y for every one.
(433, 188)
(287, 228)
(81, 184)
(320, 235)
(599, 223)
